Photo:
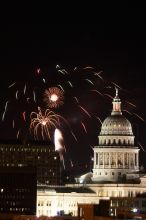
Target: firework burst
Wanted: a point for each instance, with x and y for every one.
(43, 123)
(86, 93)
(54, 97)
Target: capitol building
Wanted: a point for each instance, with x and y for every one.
(115, 170)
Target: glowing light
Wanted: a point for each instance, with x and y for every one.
(59, 144)
(76, 83)
(58, 140)
(38, 70)
(53, 97)
(134, 210)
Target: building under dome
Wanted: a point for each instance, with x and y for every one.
(115, 170)
(116, 158)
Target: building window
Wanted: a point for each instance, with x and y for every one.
(143, 203)
(81, 212)
(113, 173)
(136, 203)
(96, 158)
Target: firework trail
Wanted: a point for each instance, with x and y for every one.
(13, 123)
(24, 116)
(84, 127)
(98, 119)
(63, 91)
(98, 74)
(34, 96)
(71, 163)
(116, 85)
(95, 90)
(84, 110)
(89, 81)
(139, 117)
(59, 144)
(18, 133)
(24, 89)
(111, 97)
(43, 122)
(130, 103)
(6, 106)
(141, 146)
(74, 135)
(12, 85)
(77, 100)
(58, 140)
(124, 110)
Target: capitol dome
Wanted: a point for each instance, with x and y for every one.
(116, 125)
(116, 129)
(116, 158)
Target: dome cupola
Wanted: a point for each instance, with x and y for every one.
(116, 105)
(116, 124)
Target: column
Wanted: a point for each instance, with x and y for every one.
(116, 160)
(103, 160)
(100, 155)
(133, 160)
(123, 160)
(97, 160)
(129, 160)
(109, 160)
(94, 159)
(138, 160)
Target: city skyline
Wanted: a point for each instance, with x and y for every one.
(121, 61)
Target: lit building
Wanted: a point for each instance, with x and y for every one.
(39, 155)
(115, 170)
(94, 211)
(124, 207)
(18, 190)
(116, 158)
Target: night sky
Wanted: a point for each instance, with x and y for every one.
(118, 50)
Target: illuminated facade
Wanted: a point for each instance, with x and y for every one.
(115, 170)
(50, 201)
(116, 159)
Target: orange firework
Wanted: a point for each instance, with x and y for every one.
(43, 122)
(54, 97)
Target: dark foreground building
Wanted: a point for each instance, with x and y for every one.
(94, 211)
(35, 154)
(18, 190)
